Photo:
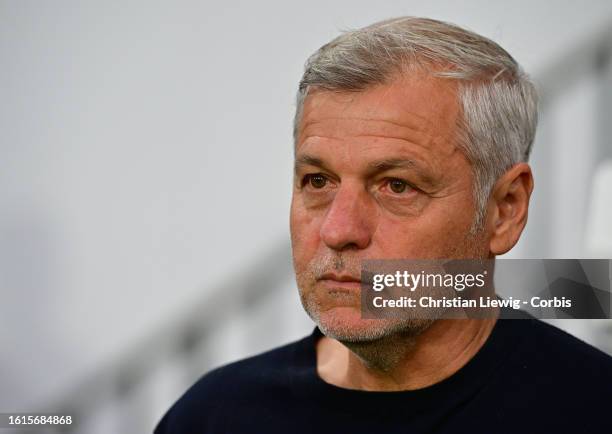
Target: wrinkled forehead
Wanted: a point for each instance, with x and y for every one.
(418, 109)
(419, 103)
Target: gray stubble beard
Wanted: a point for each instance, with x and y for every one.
(382, 348)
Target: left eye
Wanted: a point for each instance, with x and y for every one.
(398, 186)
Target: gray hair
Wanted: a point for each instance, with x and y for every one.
(498, 101)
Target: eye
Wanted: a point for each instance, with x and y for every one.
(398, 185)
(315, 180)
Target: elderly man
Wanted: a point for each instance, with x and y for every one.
(411, 141)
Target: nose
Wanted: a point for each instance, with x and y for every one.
(348, 223)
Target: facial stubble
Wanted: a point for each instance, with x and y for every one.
(385, 342)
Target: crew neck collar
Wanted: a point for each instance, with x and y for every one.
(306, 382)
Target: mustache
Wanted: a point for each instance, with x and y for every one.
(335, 262)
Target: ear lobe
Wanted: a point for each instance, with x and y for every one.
(508, 207)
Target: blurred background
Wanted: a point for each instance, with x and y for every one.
(145, 178)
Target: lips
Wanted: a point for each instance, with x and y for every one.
(340, 281)
(340, 277)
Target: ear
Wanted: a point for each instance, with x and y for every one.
(507, 208)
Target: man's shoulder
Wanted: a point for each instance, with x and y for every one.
(263, 376)
(266, 368)
(548, 337)
(551, 355)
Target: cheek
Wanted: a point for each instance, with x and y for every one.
(433, 234)
(305, 238)
(397, 240)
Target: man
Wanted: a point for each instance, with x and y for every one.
(411, 141)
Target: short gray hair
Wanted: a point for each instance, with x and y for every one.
(498, 101)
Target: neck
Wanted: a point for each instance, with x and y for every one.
(426, 359)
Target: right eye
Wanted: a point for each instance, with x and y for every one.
(315, 180)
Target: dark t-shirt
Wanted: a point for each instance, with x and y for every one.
(529, 377)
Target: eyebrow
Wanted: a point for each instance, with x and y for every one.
(392, 163)
(373, 166)
(309, 160)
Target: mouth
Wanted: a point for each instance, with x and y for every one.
(340, 282)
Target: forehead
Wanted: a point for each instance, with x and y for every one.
(418, 109)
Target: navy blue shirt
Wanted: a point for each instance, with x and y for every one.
(529, 377)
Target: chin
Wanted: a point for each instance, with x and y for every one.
(341, 319)
(345, 324)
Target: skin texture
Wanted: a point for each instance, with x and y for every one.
(378, 175)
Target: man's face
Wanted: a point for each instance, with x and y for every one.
(378, 175)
